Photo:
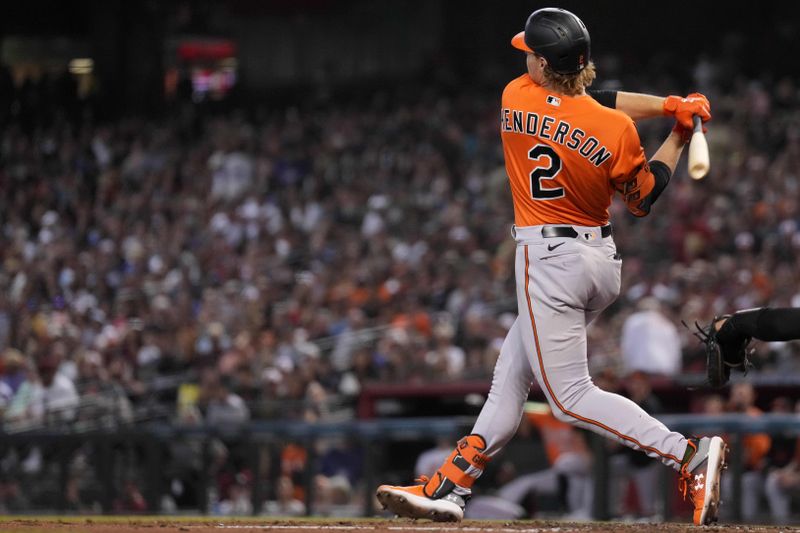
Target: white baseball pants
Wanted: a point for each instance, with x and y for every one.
(562, 285)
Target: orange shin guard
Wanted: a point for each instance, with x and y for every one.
(462, 468)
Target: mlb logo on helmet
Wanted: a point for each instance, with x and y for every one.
(553, 100)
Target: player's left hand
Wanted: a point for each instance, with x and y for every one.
(684, 108)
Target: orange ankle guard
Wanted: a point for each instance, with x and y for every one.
(454, 470)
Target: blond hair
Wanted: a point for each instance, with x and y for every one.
(570, 84)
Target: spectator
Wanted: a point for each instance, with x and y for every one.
(343, 457)
(286, 504)
(237, 495)
(186, 461)
(783, 479)
(756, 446)
(781, 485)
(222, 407)
(293, 462)
(131, 500)
(332, 496)
(103, 400)
(523, 476)
(46, 397)
(429, 460)
(633, 469)
(445, 358)
(650, 341)
(13, 374)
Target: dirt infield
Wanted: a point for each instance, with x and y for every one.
(244, 525)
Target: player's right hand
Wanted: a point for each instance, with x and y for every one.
(684, 108)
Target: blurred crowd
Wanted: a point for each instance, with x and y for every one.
(294, 254)
(222, 267)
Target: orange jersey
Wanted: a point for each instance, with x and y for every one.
(567, 155)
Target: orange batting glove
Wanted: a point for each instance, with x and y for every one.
(683, 109)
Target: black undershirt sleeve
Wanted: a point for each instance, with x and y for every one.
(661, 174)
(604, 98)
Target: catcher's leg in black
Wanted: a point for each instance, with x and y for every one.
(764, 324)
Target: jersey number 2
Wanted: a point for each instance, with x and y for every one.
(545, 173)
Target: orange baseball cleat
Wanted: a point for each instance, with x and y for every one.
(701, 470)
(411, 502)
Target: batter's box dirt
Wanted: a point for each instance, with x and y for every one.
(242, 525)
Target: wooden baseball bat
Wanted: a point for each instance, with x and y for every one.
(699, 162)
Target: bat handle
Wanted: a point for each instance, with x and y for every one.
(698, 124)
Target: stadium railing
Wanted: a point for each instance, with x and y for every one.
(372, 435)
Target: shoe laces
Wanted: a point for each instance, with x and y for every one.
(685, 485)
(422, 479)
(684, 481)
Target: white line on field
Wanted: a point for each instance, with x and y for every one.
(391, 528)
(285, 526)
(504, 529)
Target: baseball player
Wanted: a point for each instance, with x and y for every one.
(566, 155)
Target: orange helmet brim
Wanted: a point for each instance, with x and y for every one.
(518, 42)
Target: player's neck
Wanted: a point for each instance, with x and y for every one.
(541, 82)
(550, 88)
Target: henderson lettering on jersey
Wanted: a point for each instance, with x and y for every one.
(545, 127)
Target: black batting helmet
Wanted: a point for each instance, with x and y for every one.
(559, 36)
